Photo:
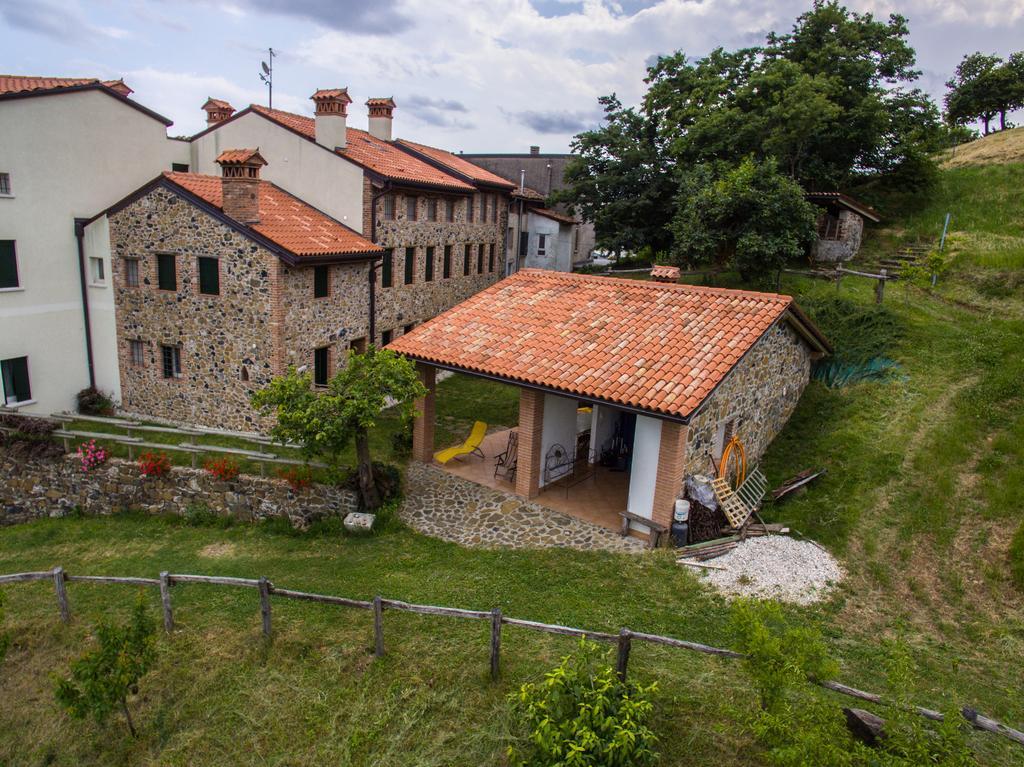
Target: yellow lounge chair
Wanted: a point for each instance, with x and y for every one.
(471, 445)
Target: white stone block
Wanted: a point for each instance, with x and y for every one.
(358, 521)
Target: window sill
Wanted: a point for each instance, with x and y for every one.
(18, 289)
(16, 405)
(6, 196)
(98, 285)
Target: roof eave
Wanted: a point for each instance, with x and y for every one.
(97, 86)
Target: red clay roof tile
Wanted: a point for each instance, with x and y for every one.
(284, 219)
(25, 83)
(457, 164)
(653, 346)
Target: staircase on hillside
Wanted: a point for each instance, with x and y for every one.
(908, 255)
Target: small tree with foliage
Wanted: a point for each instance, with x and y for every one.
(749, 217)
(325, 422)
(583, 714)
(102, 679)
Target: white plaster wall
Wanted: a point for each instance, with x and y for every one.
(644, 469)
(564, 253)
(69, 156)
(559, 427)
(536, 226)
(302, 167)
(96, 244)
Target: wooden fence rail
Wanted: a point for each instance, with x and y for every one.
(623, 639)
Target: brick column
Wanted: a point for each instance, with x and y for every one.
(671, 464)
(423, 423)
(531, 426)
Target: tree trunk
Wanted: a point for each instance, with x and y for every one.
(367, 487)
(986, 120)
(1002, 120)
(128, 716)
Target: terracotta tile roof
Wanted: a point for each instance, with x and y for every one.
(120, 86)
(845, 201)
(651, 346)
(25, 84)
(664, 272)
(372, 153)
(528, 194)
(457, 164)
(284, 219)
(554, 215)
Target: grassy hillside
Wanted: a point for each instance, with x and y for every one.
(922, 495)
(1001, 147)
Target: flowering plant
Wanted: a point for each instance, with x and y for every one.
(154, 464)
(91, 455)
(296, 476)
(224, 469)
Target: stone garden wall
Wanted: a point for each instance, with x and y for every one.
(54, 487)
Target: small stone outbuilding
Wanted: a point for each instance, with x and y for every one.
(840, 226)
(658, 375)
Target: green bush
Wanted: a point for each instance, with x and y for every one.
(102, 679)
(1017, 557)
(583, 714)
(200, 515)
(92, 401)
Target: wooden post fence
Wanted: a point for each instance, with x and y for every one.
(62, 594)
(880, 287)
(623, 639)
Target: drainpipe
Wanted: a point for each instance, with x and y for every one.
(372, 271)
(519, 239)
(80, 238)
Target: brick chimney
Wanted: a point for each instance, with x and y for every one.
(217, 111)
(534, 150)
(240, 184)
(381, 111)
(331, 117)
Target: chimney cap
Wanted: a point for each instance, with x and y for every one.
(381, 102)
(332, 94)
(534, 149)
(241, 157)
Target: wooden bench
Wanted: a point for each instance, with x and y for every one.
(657, 530)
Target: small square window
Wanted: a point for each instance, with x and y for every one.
(131, 272)
(410, 208)
(321, 365)
(179, 167)
(97, 271)
(428, 268)
(170, 358)
(137, 352)
(5, 184)
(167, 272)
(449, 206)
(358, 345)
(408, 329)
(385, 337)
(389, 207)
(321, 281)
(542, 240)
(432, 209)
(8, 265)
(387, 269)
(14, 373)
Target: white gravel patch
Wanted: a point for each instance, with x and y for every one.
(776, 567)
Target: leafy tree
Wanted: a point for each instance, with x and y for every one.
(583, 714)
(325, 422)
(972, 90)
(749, 217)
(102, 678)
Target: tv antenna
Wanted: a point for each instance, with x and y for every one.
(267, 76)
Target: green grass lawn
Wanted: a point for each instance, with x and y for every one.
(922, 494)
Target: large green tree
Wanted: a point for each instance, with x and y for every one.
(325, 422)
(984, 86)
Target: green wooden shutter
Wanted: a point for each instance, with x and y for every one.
(321, 281)
(8, 265)
(386, 271)
(447, 261)
(428, 269)
(167, 275)
(209, 276)
(410, 260)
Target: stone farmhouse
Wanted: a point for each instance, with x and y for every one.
(625, 387)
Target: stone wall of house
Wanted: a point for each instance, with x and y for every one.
(401, 305)
(761, 393)
(55, 487)
(225, 340)
(334, 321)
(847, 243)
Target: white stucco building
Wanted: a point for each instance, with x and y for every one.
(70, 147)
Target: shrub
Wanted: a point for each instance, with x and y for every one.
(92, 401)
(201, 515)
(153, 464)
(91, 455)
(401, 440)
(102, 679)
(299, 477)
(583, 714)
(225, 469)
(1017, 557)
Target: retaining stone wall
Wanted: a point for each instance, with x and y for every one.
(54, 487)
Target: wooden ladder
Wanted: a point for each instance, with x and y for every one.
(740, 503)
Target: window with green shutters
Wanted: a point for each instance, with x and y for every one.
(447, 262)
(321, 365)
(428, 266)
(8, 265)
(480, 259)
(465, 261)
(387, 269)
(14, 373)
(166, 272)
(209, 276)
(321, 281)
(410, 264)
(490, 257)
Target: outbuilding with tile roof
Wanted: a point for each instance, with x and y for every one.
(668, 371)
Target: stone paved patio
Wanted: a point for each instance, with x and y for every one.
(448, 507)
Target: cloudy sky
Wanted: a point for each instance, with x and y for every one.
(471, 76)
